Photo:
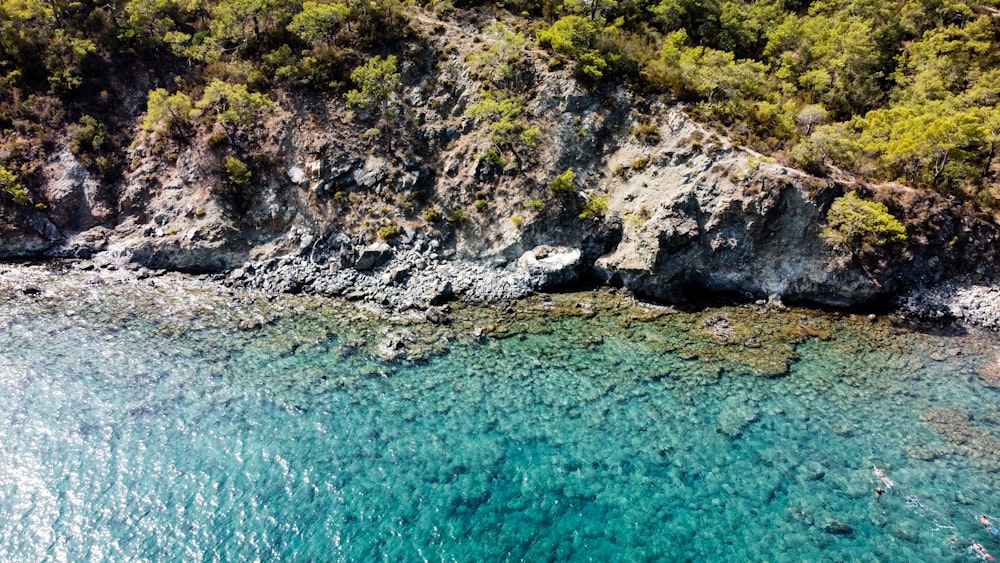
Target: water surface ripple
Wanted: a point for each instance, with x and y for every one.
(584, 438)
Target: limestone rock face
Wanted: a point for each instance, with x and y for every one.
(714, 235)
(659, 204)
(77, 197)
(699, 215)
(210, 247)
(550, 266)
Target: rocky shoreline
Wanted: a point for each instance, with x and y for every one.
(410, 275)
(967, 302)
(417, 276)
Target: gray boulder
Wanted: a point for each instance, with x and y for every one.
(373, 256)
(550, 266)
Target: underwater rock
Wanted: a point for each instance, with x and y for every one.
(923, 453)
(836, 526)
(718, 327)
(989, 373)
(968, 438)
(813, 471)
(905, 531)
(735, 417)
(438, 315)
(394, 347)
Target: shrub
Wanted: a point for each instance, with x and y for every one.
(167, 113)
(639, 163)
(855, 222)
(493, 156)
(594, 207)
(517, 220)
(87, 136)
(504, 120)
(217, 139)
(481, 205)
(236, 171)
(455, 215)
(232, 105)
(432, 214)
(647, 133)
(535, 204)
(563, 183)
(9, 184)
(388, 232)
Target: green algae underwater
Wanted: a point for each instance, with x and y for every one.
(171, 420)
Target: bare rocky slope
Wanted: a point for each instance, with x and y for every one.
(686, 211)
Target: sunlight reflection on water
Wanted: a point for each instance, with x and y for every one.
(593, 439)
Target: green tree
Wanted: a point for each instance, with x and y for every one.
(947, 60)
(503, 116)
(319, 21)
(834, 143)
(746, 25)
(923, 142)
(237, 173)
(202, 47)
(64, 61)
(232, 106)
(563, 183)
(831, 60)
(377, 81)
(704, 73)
(810, 116)
(577, 38)
(500, 61)
(244, 22)
(857, 222)
(595, 206)
(9, 184)
(167, 113)
(150, 19)
(87, 136)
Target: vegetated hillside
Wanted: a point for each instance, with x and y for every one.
(206, 130)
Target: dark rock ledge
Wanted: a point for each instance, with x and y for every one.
(405, 277)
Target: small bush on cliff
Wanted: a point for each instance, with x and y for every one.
(9, 184)
(87, 137)
(389, 232)
(237, 173)
(232, 106)
(378, 81)
(432, 214)
(855, 222)
(504, 119)
(563, 183)
(647, 133)
(594, 207)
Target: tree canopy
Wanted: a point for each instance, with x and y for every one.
(906, 90)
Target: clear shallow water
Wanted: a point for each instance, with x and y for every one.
(574, 439)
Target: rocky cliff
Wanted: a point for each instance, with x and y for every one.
(657, 203)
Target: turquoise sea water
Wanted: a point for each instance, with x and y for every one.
(558, 438)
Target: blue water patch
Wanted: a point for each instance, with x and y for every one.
(591, 439)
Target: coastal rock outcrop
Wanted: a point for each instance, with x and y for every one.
(550, 267)
(671, 213)
(721, 220)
